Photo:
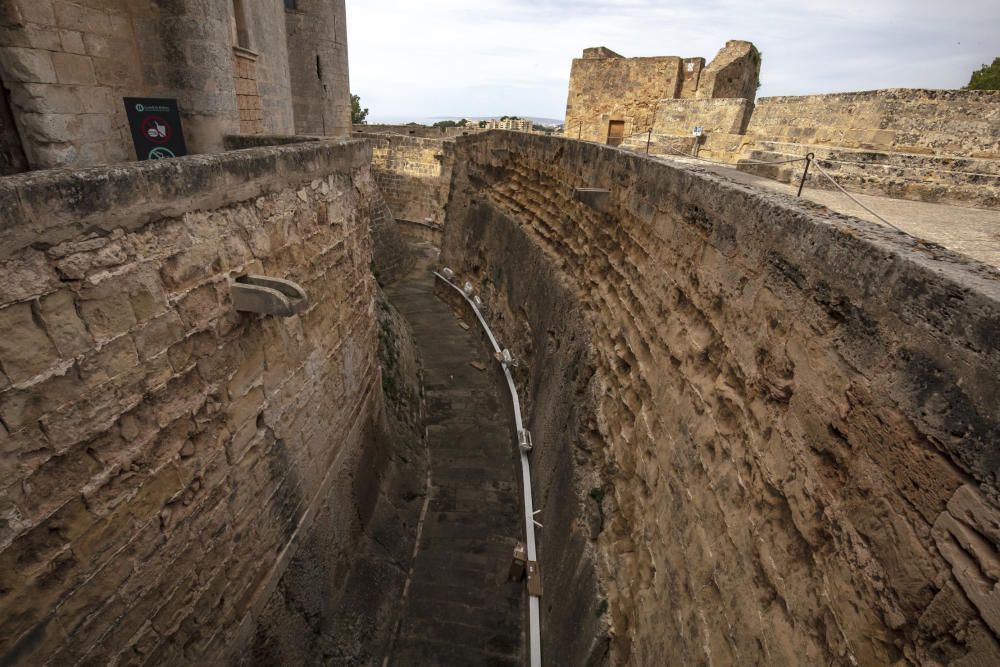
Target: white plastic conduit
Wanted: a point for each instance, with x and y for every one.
(534, 627)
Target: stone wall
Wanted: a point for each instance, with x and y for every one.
(414, 175)
(715, 116)
(734, 72)
(164, 455)
(69, 63)
(426, 131)
(962, 123)
(774, 428)
(602, 89)
(606, 87)
(318, 63)
(266, 26)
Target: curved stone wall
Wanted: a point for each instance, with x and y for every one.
(769, 433)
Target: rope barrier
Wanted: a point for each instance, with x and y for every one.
(814, 162)
(852, 198)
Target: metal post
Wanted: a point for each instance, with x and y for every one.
(805, 172)
(649, 140)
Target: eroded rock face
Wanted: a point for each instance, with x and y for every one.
(789, 420)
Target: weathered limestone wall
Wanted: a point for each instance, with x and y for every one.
(610, 87)
(69, 63)
(164, 456)
(715, 116)
(414, 175)
(783, 423)
(391, 256)
(734, 72)
(318, 62)
(934, 122)
(606, 87)
(426, 131)
(266, 28)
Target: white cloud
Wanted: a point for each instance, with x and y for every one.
(455, 57)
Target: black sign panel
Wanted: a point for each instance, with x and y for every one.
(156, 128)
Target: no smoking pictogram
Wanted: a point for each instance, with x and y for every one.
(156, 129)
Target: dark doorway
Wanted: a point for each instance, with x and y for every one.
(12, 160)
(616, 132)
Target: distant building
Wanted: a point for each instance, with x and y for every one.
(517, 124)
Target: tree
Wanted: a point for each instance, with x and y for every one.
(358, 115)
(451, 123)
(986, 77)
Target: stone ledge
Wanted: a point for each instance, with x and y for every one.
(47, 207)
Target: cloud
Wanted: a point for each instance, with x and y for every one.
(454, 57)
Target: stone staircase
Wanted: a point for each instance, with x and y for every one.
(961, 181)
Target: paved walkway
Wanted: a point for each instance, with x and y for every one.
(460, 609)
(973, 232)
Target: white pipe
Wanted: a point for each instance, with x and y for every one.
(534, 627)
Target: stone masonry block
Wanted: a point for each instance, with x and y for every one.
(36, 11)
(42, 37)
(73, 68)
(107, 46)
(108, 317)
(52, 128)
(27, 65)
(115, 71)
(58, 312)
(25, 348)
(25, 276)
(72, 41)
(159, 334)
(112, 360)
(76, 17)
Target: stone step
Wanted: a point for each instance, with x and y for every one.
(966, 165)
(936, 185)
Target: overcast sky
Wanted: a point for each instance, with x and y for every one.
(492, 57)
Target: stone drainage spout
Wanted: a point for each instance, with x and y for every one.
(267, 296)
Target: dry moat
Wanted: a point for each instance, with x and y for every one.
(649, 415)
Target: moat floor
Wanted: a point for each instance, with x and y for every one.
(461, 610)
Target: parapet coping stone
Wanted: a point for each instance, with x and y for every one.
(43, 208)
(796, 216)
